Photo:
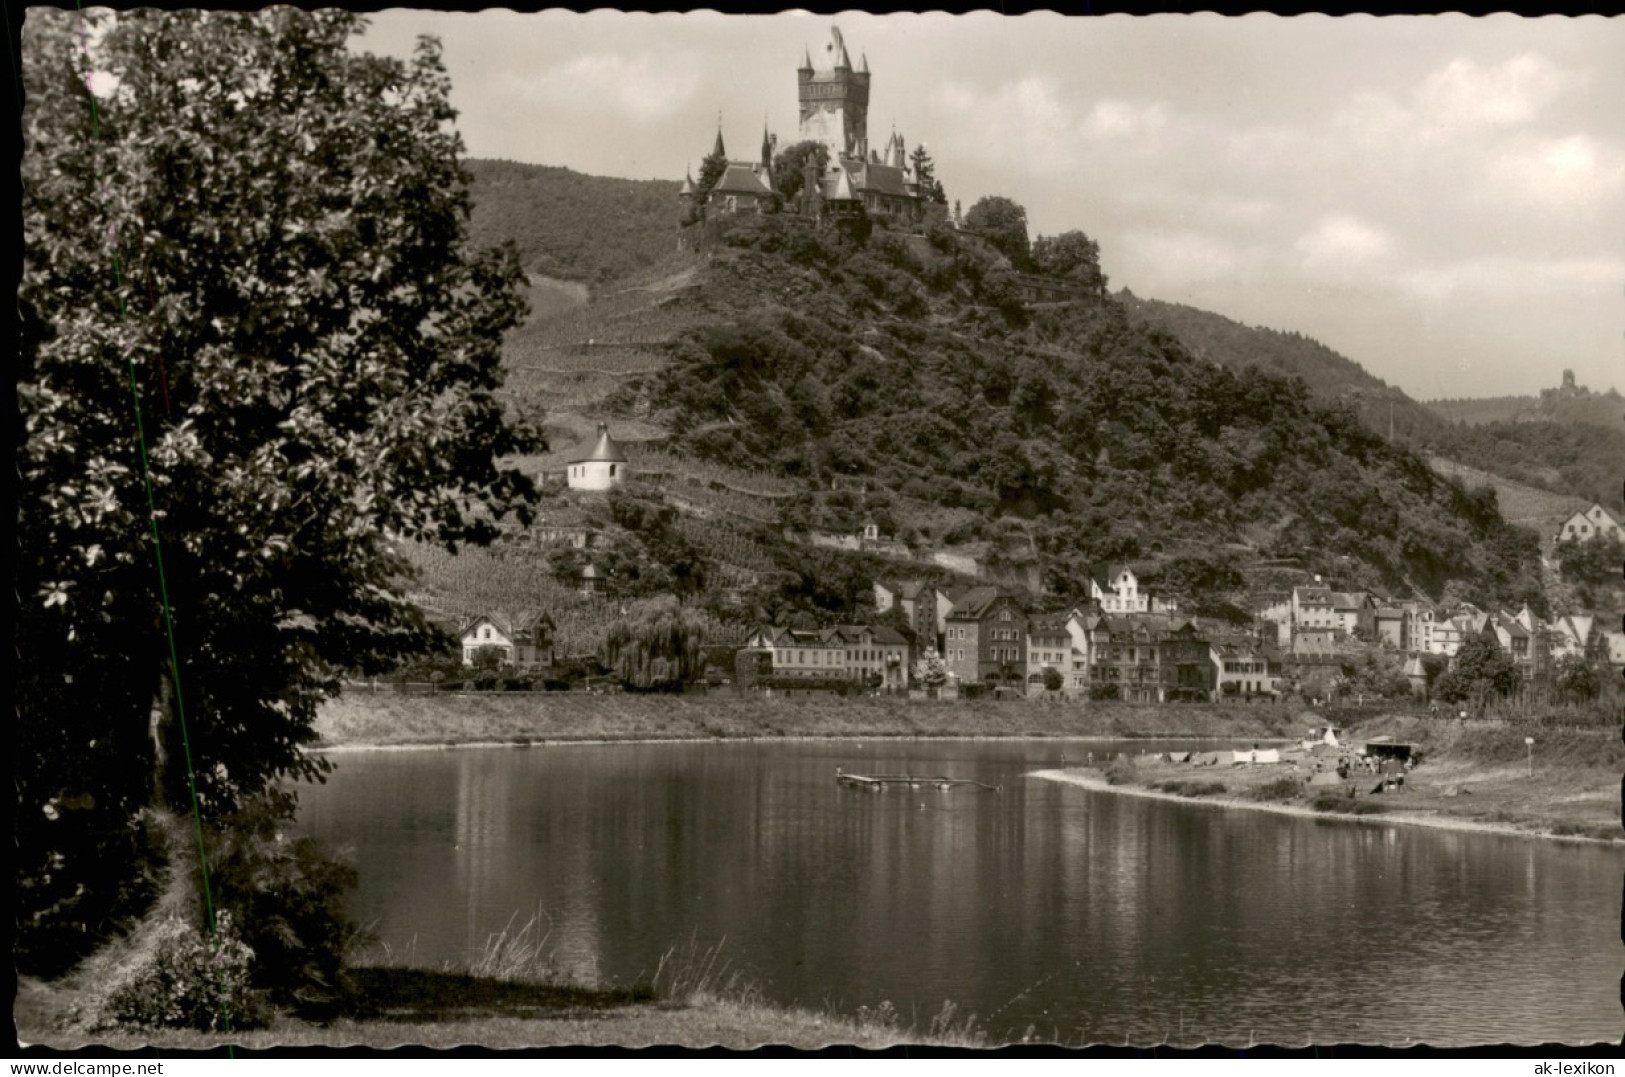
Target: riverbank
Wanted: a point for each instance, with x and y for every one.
(389, 719)
(1470, 779)
(442, 1010)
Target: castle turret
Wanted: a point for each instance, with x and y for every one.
(835, 103)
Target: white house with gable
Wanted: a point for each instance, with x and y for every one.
(1589, 524)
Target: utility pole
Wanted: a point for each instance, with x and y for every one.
(1529, 746)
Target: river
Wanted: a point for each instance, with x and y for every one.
(1075, 915)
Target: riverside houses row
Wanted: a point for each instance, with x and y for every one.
(1133, 645)
(873, 655)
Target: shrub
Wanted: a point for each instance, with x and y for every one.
(1337, 802)
(1192, 788)
(289, 898)
(1121, 772)
(1279, 789)
(188, 981)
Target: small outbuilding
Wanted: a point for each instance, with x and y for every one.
(603, 469)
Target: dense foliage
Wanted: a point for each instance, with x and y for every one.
(256, 348)
(1003, 223)
(790, 167)
(906, 364)
(1482, 672)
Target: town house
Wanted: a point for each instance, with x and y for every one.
(877, 651)
(1090, 637)
(985, 637)
(1186, 662)
(795, 652)
(1049, 646)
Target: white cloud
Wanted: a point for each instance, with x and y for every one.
(1497, 279)
(1115, 119)
(1562, 171)
(1182, 259)
(1465, 95)
(1341, 243)
(643, 86)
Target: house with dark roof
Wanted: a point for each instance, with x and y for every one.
(604, 468)
(917, 602)
(520, 640)
(1049, 646)
(985, 637)
(1185, 661)
(874, 653)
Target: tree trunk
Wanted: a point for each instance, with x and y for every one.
(160, 726)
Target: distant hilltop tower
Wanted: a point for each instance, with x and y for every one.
(835, 103)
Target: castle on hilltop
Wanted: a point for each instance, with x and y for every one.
(854, 180)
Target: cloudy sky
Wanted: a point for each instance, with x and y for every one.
(1440, 198)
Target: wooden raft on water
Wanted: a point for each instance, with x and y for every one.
(912, 781)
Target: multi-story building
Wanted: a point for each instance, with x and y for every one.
(874, 652)
(794, 652)
(1130, 660)
(918, 603)
(1090, 637)
(1352, 613)
(1312, 610)
(1049, 646)
(1185, 658)
(985, 637)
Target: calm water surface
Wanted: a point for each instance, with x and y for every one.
(1088, 917)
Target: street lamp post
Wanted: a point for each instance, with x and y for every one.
(1529, 746)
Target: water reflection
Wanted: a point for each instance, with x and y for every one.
(1092, 916)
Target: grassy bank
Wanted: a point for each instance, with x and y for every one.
(511, 995)
(384, 719)
(436, 1009)
(1472, 777)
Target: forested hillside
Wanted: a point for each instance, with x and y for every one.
(1566, 446)
(915, 367)
(569, 225)
(1328, 375)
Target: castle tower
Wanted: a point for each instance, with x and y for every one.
(835, 103)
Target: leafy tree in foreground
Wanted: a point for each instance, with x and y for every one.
(256, 348)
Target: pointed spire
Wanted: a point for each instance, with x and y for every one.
(806, 59)
(863, 63)
(767, 144)
(687, 190)
(719, 150)
(842, 60)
